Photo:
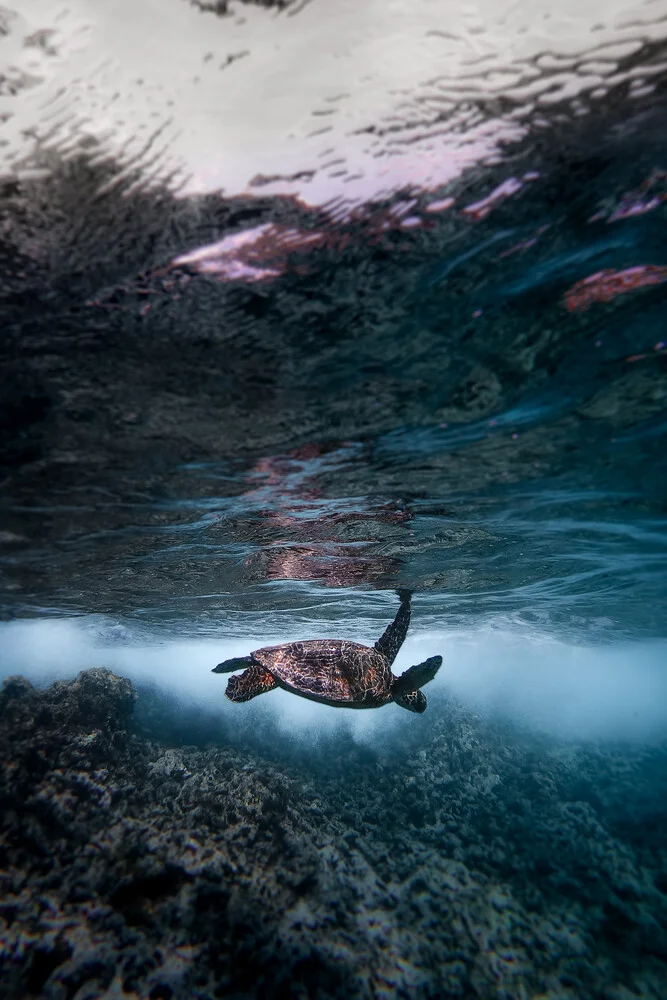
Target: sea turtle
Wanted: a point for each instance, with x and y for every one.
(335, 671)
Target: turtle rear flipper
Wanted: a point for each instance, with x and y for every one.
(415, 677)
(392, 638)
(252, 682)
(236, 663)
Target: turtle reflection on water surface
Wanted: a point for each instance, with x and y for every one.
(335, 671)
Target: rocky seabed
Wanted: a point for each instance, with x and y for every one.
(474, 861)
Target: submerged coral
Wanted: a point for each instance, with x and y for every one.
(473, 861)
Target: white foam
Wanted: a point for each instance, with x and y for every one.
(584, 692)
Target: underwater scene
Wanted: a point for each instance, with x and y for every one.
(333, 500)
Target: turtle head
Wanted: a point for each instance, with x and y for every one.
(405, 689)
(414, 701)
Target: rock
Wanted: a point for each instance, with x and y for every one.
(473, 862)
(97, 696)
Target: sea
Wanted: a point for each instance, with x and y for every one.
(304, 304)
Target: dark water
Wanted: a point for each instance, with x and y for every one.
(419, 407)
(205, 451)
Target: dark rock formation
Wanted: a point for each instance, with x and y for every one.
(466, 862)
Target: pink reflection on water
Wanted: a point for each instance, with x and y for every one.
(440, 205)
(317, 540)
(251, 255)
(638, 202)
(479, 210)
(262, 252)
(524, 244)
(603, 286)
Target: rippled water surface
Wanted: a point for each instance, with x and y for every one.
(303, 305)
(472, 405)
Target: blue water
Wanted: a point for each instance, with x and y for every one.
(198, 461)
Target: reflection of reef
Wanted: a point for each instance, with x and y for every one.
(462, 860)
(121, 372)
(337, 566)
(305, 536)
(603, 286)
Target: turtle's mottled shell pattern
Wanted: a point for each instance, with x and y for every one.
(333, 671)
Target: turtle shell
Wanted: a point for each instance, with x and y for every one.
(330, 670)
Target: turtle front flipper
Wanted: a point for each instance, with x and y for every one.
(253, 681)
(392, 638)
(236, 663)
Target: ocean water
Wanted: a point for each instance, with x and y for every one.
(326, 306)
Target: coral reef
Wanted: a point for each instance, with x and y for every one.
(469, 860)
